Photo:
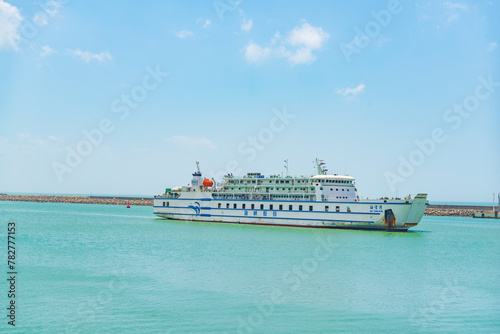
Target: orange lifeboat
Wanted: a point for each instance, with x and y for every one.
(208, 183)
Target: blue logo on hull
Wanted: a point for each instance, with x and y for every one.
(195, 208)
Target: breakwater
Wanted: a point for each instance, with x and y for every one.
(431, 210)
(455, 210)
(145, 201)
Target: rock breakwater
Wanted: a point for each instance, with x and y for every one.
(78, 199)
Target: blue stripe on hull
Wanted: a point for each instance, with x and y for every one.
(249, 217)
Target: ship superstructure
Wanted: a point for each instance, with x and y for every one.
(320, 200)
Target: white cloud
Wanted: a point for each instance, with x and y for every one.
(207, 24)
(302, 56)
(191, 142)
(297, 48)
(46, 50)
(276, 38)
(56, 139)
(308, 36)
(87, 56)
(184, 34)
(452, 5)
(350, 93)
(247, 25)
(26, 137)
(453, 11)
(52, 7)
(10, 25)
(41, 19)
(255, 53)
(492, 46)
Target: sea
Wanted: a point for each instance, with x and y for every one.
(83, 268)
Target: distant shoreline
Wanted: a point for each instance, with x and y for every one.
(431, 210)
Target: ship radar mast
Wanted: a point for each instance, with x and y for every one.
(320, 164)
(197, 173)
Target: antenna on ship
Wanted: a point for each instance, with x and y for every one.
(286, 166)
(320, 164)
(197, 173)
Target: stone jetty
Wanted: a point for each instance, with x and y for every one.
(455, 210)
(431, 210)
(79, 199)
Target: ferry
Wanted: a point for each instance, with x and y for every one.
(321, 200)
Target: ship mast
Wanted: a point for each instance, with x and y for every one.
(320, 164)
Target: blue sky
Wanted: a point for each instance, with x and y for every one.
(124, 97)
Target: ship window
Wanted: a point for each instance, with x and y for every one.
(348, 209)
(310, 207)
(227, 205)
(235, 206)
(164, 203)
(326, 207)
(281, 206)
(342, 189)
(243, 205)
(290, 207)
(300, 207)
(253, 206)
(262, 206)
(287, 181)
(219, 205)
(168, 203)
(270, 206)
(337, 209)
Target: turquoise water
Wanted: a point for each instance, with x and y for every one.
(108, 269)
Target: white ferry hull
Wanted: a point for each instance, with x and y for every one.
(394, 215)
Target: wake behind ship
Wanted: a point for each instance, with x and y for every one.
(322, 200)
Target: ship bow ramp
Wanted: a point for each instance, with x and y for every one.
(417, 210)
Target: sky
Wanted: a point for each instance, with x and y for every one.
(109, 97)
